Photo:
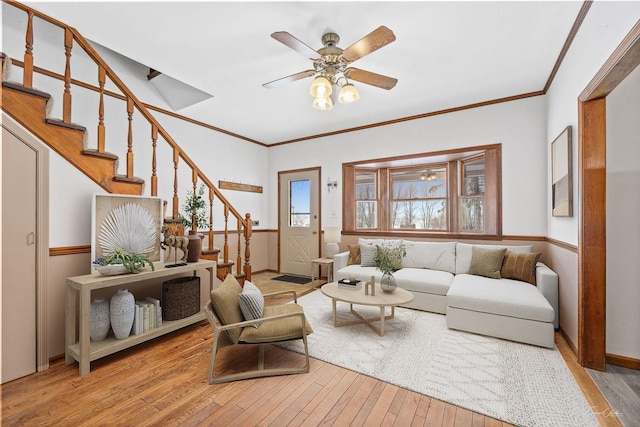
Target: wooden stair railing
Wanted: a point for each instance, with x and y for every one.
(133, 104)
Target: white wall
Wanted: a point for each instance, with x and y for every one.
(623, 211)
(518, 125)
(604, 27)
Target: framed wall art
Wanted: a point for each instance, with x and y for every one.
(561, 173)
(128, 222)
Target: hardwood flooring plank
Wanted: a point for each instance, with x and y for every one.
(326, 401)
(423, 406)
(356, 403)
(343, 402)
(369, 404)
(379, 411)
(464, 417)
(435, 414)
(449, 418)
(407, 410)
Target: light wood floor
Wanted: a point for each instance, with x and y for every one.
(164, 382)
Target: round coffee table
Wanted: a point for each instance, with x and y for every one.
(358, 297)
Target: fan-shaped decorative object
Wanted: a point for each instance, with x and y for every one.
(130, 227)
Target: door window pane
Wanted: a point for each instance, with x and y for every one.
(300, 203)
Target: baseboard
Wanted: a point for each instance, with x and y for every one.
(624, 361)
(571, 345)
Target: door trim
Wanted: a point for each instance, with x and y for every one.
(280, 173)
(42, 233)
(592, 169)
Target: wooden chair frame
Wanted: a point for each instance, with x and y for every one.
(219, 329)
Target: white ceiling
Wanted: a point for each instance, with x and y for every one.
(446, 54)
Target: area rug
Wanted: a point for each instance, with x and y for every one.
(300, 280)
(521, 384)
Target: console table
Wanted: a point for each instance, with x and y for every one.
(80, 348)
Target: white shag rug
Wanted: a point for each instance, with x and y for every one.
(518, 383)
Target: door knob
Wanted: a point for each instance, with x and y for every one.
(31, 238)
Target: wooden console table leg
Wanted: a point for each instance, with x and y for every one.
(381, 332)
(85, 331)
(70, 318)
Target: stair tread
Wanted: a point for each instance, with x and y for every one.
(122, 178)
(29, 90)
(96, 153)
(58, 122)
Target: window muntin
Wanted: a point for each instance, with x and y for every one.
(419, 198)
(366, 199)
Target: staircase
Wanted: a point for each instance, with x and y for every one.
(30, 107)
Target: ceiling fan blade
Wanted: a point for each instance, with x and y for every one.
(295, 44)
(373, 41)
(289, 79)
(370, 78)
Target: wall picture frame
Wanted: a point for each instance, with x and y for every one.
(128, 208)
(561, 175)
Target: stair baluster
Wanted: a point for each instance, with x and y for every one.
(27, 75)
(66, 98)
(101, 129)
(154, 177)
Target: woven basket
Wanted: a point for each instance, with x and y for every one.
(180, 298)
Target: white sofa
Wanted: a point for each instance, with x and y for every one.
(437, 273)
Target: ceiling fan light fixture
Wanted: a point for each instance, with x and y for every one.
(321, 87)
(322, 103)
(348, 94)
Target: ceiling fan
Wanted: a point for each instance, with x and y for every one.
(331, 65)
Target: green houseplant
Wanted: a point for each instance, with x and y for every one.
(134, 263)
(388, 260)
(195, 218)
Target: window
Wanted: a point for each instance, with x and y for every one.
(419, 198)
(366, 200)
(450, 192)
(300, 203)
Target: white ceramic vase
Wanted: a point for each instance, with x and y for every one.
(100, 320)
(122, 313)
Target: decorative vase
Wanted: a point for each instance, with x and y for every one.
(388, 283)
(194, 246)
(100, 321)
(122, 312)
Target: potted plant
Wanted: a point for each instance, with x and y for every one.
(120, 262)
(195, 218)
(388, 260)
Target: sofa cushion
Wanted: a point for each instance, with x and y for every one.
(486, 262)
(520, 266)
(368, 255)
(503, 297)
(432, 255)
(359, 272)
(354, 255)
(464, 251)
(423, 280)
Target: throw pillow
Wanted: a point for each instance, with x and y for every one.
(368, 255)
(225, 303)
(486, 262)
(354, 255)
(520, 266)
(251, 303)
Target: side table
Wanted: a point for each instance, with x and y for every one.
(319, 262)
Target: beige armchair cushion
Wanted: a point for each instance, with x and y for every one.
(277, 330)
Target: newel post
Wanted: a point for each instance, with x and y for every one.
(248, 231)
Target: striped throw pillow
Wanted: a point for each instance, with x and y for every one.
(251, 302)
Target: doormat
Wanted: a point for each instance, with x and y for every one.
(300, 280)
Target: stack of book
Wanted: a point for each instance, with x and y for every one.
(352, 285)
(148, 315)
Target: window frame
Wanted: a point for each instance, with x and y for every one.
(453, 159)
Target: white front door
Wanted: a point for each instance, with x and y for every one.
(299, 221)
(19, 203)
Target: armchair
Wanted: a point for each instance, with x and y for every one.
(278, 323)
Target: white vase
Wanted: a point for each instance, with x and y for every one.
(100, 320)
(122, 313)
